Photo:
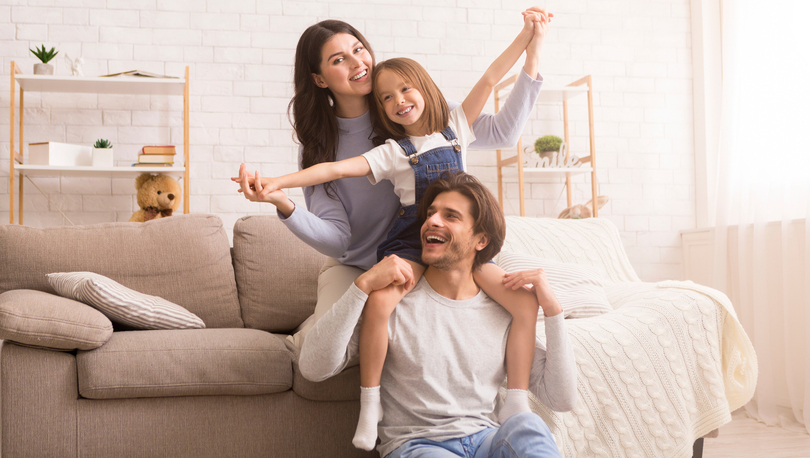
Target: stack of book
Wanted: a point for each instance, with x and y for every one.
(156, 156)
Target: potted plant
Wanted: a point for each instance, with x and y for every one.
(45, 56)
(102, 153)
(546, 145)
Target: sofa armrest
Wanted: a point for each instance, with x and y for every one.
(39, 319)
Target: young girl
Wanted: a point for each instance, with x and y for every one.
(425, 140)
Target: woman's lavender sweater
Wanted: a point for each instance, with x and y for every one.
(350, 227)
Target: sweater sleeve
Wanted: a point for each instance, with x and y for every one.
(503, 129)
(325, 226)
(554, 371)
(334, 340)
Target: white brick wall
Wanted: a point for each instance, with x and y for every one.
(240, 55)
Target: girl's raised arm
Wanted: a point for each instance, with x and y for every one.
(477, 98)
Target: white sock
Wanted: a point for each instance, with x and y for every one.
(371, 413)
(516, 401)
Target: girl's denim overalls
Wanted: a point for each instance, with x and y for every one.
(404, 239)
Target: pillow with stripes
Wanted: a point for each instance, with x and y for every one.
(121, 304)
(578, 288)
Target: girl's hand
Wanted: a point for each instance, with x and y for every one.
(264, 187)
(540, 287)
(541, 20)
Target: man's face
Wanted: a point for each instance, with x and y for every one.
(447, 234)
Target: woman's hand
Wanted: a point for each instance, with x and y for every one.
(540, 287)
(258, 189)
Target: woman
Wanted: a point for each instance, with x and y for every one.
(348, 218)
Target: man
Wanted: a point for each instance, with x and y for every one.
(447, 339)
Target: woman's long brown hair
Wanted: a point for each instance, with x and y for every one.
(312, 109)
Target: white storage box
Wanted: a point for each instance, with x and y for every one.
(62, 154)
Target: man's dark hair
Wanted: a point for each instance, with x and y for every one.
(486, 212)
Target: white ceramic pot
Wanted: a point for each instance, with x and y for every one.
(43, 69)
(102, 157)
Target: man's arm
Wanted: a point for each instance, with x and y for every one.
(333, 341)
(553, 377)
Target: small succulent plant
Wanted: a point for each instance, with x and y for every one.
(102, 143)
(547, 143)
(44, 55)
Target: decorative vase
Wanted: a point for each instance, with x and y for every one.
(43, 69)
(102, 157)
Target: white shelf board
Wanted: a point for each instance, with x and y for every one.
(551, 94)
(548, 170)
(100, 85)
(108, 172)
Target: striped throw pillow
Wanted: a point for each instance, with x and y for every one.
(578, 288)
(121, 304)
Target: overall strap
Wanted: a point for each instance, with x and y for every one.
(450, 136)
(409, 149)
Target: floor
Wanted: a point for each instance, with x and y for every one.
(745, 437)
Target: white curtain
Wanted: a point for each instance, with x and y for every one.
(762, 244)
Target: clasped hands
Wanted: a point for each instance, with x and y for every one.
(256, 188)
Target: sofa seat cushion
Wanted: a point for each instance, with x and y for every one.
(190, 362)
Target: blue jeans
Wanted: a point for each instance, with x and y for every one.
(523, 435)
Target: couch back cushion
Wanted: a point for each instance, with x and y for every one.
(184, 259)
(591, 242)
(276, 274)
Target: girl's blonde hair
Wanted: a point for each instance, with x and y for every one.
(436, 114)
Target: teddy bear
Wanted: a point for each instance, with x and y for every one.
(580, 211)
(158, 196)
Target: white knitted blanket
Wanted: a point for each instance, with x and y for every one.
(666, 367)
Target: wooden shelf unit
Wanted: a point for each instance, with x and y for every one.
(583, 85)
(91, 85)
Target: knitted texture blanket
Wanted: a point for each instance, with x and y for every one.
(665, 368)
(668, 365)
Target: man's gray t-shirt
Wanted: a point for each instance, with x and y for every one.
(444, 366)
(445, 362)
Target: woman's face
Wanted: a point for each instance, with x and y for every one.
(345, 67)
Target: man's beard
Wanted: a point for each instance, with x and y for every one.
(453, 254)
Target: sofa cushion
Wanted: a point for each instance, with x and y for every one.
(276, 274)
(578, 288)
(121, 304)
(195, 362)
(592, 242)
(184, 259)
(40, 319)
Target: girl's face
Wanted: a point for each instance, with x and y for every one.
(402, 103)
(345, 67)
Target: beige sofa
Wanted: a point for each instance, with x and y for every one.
(231, 389)
(661, 370)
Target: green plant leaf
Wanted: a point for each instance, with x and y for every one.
(44, 55)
